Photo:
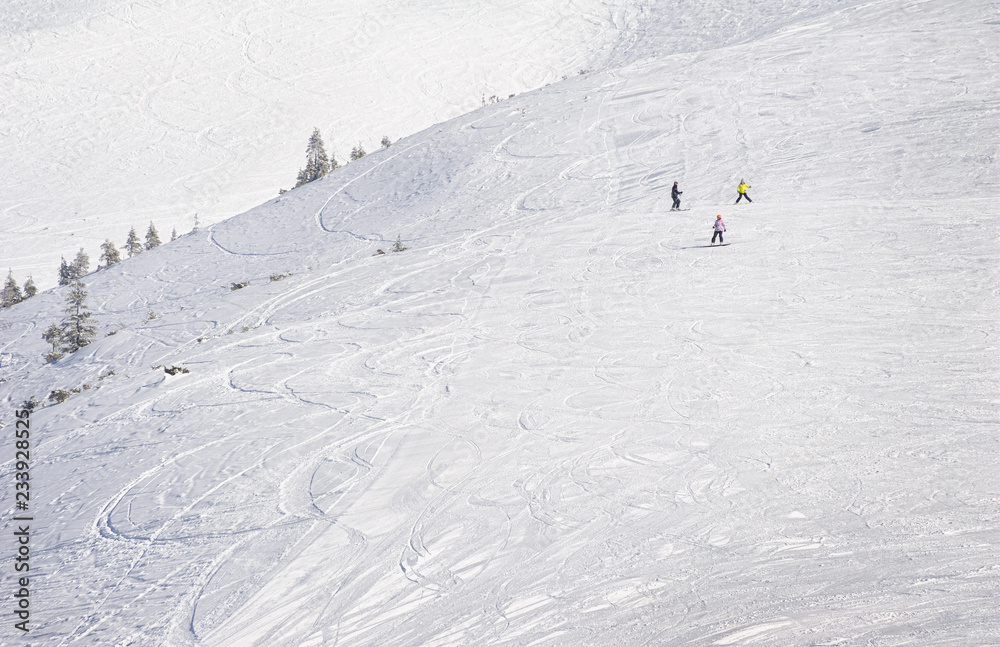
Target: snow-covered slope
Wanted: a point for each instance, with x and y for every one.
(116, 113)
(556, 419)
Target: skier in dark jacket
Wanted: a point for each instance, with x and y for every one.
(676, 195)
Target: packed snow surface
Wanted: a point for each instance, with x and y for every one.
(556, 417)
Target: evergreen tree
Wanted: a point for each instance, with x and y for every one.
(152, 238)
(357, 153)
(53, 335)
(76, 329)
(65, 273)
(80, 265)
(109, 254)
(173, 235)
(29, 288)
(317, 162)
(196, 226)
(302, 178)
(11, 293)
(132, 244)
(386, 143)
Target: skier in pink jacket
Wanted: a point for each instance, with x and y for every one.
(719, 228)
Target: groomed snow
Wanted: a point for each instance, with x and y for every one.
(556, 418)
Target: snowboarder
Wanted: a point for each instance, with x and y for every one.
(676, 195)
(719, 228)
(742, 190)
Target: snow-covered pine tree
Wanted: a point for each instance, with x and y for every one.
(109, 255)
(77, 329)
(132, 245)
(152, 237)
(11, 293)
(317, 162)
(303, 177)
(196, 225)
(53, 335)
(65, 272)
(29, 288)
(386, 142)
(81, 264)
(358, 152)
(173, 235)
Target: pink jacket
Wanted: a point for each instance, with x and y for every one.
(719, 225)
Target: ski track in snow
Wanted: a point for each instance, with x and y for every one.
(551, 420)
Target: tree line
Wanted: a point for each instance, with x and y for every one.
(319, 164)
(77, 329)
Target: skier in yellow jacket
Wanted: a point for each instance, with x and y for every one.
(742, 190)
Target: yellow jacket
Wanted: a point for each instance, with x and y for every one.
(742, 188)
